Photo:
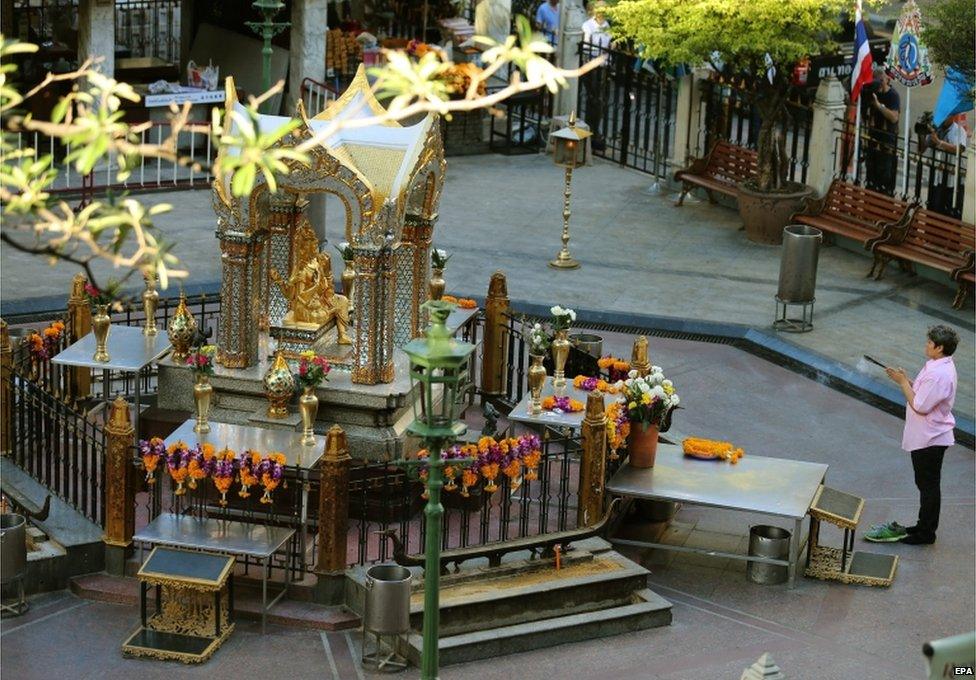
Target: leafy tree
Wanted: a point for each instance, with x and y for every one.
(949, 30)
(760, 39)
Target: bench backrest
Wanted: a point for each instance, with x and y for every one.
(852, 203)
(940, 235)
(731, 163)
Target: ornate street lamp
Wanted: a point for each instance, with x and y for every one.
(439, 369)
(569, 151)
(267, 29)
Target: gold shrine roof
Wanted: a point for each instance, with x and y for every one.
(382, 154)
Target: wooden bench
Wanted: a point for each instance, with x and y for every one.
(723, 169)
(851, 211)
(931, 239)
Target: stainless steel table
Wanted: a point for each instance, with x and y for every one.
(217, 535)
(573, 421)
(289, 442)
(769, 486)
(129, 351)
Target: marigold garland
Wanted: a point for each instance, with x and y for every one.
(463, 303)
(42, 346)
(270, 471)
(618, 428)
(515, 457)
(588, 384)
(151, 452)
(177, 464)
(223, 473)
(711, 448)
(617, 369)
(562, 404)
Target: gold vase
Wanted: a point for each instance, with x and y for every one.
(435, 287)
(537, 380)
(202, 392)
(101, 325)
(560, 352)
(349, 284)
(182, 327)
(308, 406)
(279, 385)
(150, 301)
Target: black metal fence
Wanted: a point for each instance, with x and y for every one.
(630, 109)
(58, 447)
(727, 112)
(383, 497)
(932, 177)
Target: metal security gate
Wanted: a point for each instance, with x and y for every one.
(630, 109)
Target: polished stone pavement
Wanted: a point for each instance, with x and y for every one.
(722, 623)
(640, 254)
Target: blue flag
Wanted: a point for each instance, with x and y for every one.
(954, 97)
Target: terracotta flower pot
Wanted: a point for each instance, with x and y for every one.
(642, 445)
(764, 214)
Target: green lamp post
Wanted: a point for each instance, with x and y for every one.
(267, 29)
(439, 368)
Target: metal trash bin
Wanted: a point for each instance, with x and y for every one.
(386, 614)
(798, 276)
(768, 541)
(589, 343)
(13, 559)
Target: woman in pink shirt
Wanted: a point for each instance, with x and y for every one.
(928, 428)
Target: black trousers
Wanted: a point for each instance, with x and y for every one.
(927, 463)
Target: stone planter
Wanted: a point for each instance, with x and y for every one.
(764, 214)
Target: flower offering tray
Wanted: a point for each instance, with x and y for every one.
(193, 606)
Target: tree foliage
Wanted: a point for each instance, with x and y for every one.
(737, 38)
(949, 31)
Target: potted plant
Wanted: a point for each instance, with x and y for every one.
(200, 362)
(647, 402)
(438, 262)
(313, 370)
(538, 338)
(757, 41)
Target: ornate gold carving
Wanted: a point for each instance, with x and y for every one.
(119, 488)
(638, 357)
(334, 502)
(495, 353)
(78, 326)
(593, 461)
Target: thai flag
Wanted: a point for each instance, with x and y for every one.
(863, 63)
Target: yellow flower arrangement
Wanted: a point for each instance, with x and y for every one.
(710, 448)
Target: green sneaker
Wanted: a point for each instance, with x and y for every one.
(886, 533)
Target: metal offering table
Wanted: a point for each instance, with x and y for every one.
(299, 458)
(572, 421)
(769, 486)
(256, 541)
(193, 608)
(129, 352)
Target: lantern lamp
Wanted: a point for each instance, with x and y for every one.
(569, 152)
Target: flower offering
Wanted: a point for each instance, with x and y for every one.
(178, 464)
(463, 303)
(537, 337)
(618, 428)
(247, 466)
(439, 258)
(562, 318)
(312, 370)
(223, 473)
(201, 360)
(696, 447)
(562, 404)
(648, 399)
(151, 452)
(616, 368)
(587, 384)
(270, 471)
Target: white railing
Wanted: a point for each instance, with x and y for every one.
(194, 145)
(316, 96)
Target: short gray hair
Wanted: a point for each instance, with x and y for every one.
(944, 337)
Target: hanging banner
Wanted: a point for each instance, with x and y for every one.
(908, 58)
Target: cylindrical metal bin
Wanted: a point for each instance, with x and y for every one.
(13, 547)
(387, 610)
(798, 264)
(589, 343)
(767, 541)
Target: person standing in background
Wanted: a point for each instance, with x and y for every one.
(596, 42)
(880, 109)
(948, 143)
(547, 20)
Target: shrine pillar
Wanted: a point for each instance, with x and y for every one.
(417, 234)
(375, 285)
(242, 266)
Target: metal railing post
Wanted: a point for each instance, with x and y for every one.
(495, 349)
(119, 487)
(331, 561)
(79, 325)
(593, 461)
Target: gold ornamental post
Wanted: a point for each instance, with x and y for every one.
(569, 152)
(79, 325)
(119, 487)
(495, 347)
(6, 373)
(330, 563)
(639, 360)
(593, 461)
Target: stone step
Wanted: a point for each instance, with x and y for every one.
(78, 538)
(585, 583)
(247, 603)
(646, 610)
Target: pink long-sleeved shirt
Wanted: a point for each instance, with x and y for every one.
(931, 422)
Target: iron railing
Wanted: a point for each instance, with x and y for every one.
(630, 109)
(933, 178)
(728, 113)
(316, 96)
(58, 446)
